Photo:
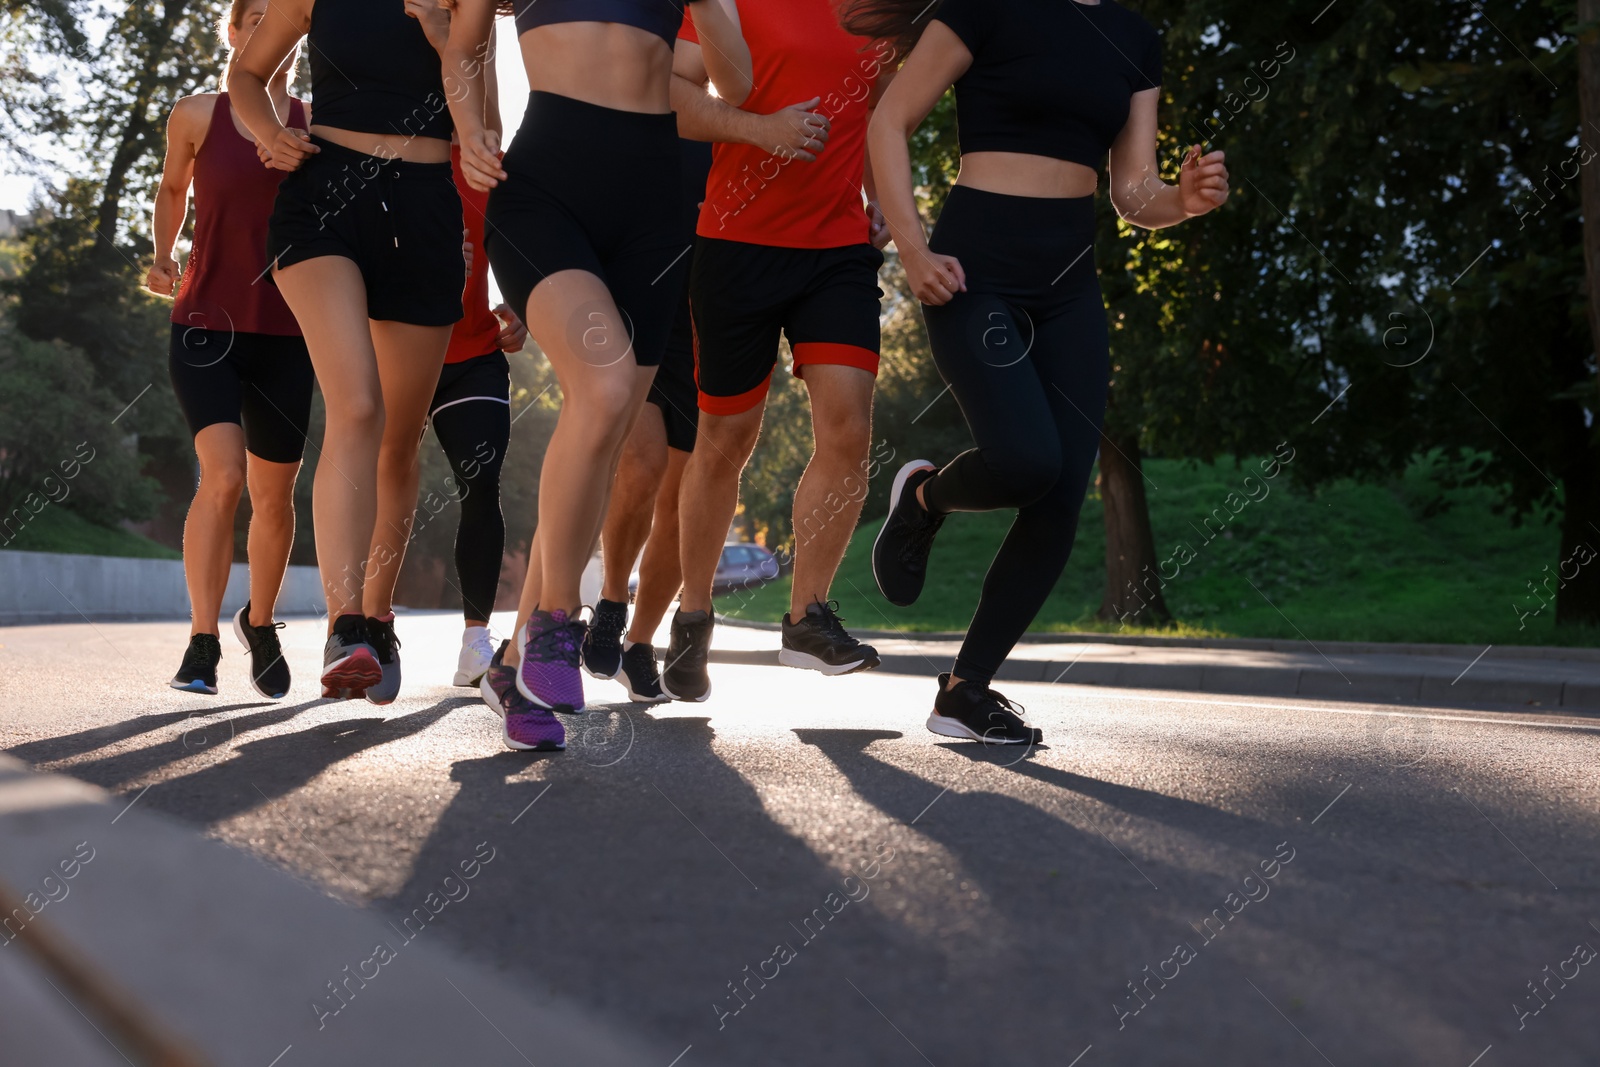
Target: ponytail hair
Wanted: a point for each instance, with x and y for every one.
(899, 21)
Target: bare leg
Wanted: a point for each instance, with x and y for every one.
(633, 499)
(841, 420)
(271, 532)
(602, 388)
(409, 360)
(710, 496)
(660, 571)
(208, 528)
(329, 299)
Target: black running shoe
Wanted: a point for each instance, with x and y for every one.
(900, 554)
(975, 712)
(685, 676)
(639, 675)
(199, 671)
(602, 645)
(269, 671)
(819, 642)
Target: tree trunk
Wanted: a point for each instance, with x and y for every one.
(1133, 586)
(1578, 597)
(142, 131)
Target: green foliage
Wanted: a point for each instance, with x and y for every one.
(59, 445)
(1405, 559)
(61, 530)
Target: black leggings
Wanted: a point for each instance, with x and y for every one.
(1025, 352)
(473, 423)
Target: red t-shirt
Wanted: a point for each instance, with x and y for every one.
(798, 50)
(475, 334)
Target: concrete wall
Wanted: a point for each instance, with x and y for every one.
(55, 587)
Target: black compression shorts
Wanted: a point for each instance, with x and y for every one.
(594, 189)
(259, 381)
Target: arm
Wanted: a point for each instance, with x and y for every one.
(279, 32)
(491, 90)
(934, 65)
(878, 232)
(727, 56)
(1137, 191)
(185, 130)
(464, 58)
(792, 133)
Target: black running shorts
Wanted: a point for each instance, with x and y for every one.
(259, 381)
(399, 222)
(824, 300)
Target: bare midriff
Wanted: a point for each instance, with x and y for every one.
(607, 64)
(1022, 174)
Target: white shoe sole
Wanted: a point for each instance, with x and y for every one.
(807, 662)
(603, 677)
(195, 686)
(469, 680)
(895, 489)
(945, 726)
(670, 695)
(238, 632)
(664, 698)
(486, 691)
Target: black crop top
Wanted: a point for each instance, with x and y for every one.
(660, 17)
(373, 70)
(1049, 77)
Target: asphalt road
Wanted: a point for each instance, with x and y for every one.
(796, 872)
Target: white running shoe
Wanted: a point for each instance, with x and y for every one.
(476, 653)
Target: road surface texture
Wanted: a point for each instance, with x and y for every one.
(797, 872)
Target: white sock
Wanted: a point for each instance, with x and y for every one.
(472, 633)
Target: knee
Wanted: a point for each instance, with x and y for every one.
(843, 433)
(1023, 475)
(272, 507)
(222, 481)
(360, 413)
(731, 439)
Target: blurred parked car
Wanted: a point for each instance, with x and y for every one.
(742, 566)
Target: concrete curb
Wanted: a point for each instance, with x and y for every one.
(1325, 683)
(1241, 644)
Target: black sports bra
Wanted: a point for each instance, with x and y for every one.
(373, 70)
(1049, 77)
(660, 17)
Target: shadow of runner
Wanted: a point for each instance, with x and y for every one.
(67, 746)
(643, 886)
(111, 772)
(270, 767)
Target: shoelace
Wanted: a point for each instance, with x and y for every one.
(1007, 708)
(606, 638)
(919, 542)
(832, 623)
(266, 637)
(201, 647)
(692, 657)
(558, 644)
(646, 656)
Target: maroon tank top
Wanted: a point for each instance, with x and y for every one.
(224, 284)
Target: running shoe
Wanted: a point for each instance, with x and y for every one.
(198, 674)
(269, 671)
(477, 651)
(819, 642)
(685, 676)
(900, 553)
(602, 645)
(527, 725)
(349, 662)
(975, 712)
(639, 675)
(549, 676)
(386, 645)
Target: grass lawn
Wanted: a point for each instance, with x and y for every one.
(1356, 562)
(55, 529)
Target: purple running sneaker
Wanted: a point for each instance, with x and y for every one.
(527, 726)
(549, 676)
